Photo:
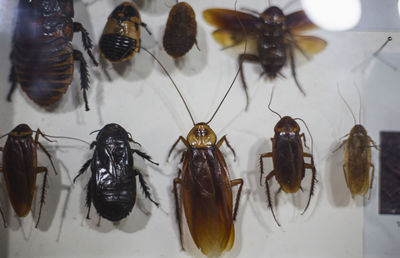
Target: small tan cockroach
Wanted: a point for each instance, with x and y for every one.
(357, 156)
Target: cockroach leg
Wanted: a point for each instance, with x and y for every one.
(304, 140)
(239, 182)
(89, 197)
(144, 25)
(373, 143)
(87, 42)
(143, 155)
(13, 79)
(293, 69)
(313, 179)
(42, 170)
(224, 139)
(49, 156)
(341, 144)
(247, 58)
(1, 212)
(372, 180)
(178, 210)
(84, 75)
(265, 155)
(267, 178)
(83, 169)
(183, 140)
(145, 188)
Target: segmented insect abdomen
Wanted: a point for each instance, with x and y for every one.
(117, 48)
(44, 68)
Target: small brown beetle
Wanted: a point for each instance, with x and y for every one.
(180, 32)
(20, 168)
(288, 159)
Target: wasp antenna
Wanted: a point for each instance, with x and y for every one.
(66, 137)
(176, 87)
(269, 104)
(360, 107)
(237, 73)
(309, 132)
(347, 104)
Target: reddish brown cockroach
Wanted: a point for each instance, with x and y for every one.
(20, 168)
(288, 159)
(357, 157)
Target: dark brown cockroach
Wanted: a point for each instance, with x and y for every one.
(20, 168)
(288, 159)
(121, 35)
(357, 157)
(275, 38)
(181, 30)
(42, 55)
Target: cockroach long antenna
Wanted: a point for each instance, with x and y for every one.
(288, 4)
(3, 135)
(176, 87)
(347, 104)
(360, 107)
(94, 132)
(66, 137)
(269, 104)
(237, 73)
(309, 132)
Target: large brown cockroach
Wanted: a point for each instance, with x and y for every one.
(180, 31)
(206, 187)
(275, 38)
(288, 159)
(20, 168)
(357, 157)
(42, 55)
(121, 35)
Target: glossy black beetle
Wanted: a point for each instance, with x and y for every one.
(42, 55)
(112, 186)
(20, 168)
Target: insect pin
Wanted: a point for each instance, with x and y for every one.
(288, 159)
(273, 38)
(357, 156)
(42, 55)
(180, 31)
(112, 185)
(120, 40)
(20, 168)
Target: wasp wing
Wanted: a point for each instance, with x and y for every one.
(207, 200)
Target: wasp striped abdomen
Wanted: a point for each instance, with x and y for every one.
(121, 35)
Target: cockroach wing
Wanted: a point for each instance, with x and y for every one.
(207, 200)
(357, 160)
(19, 167)
(310, 44)
(114, 193)
(288, 162)
(229, 19)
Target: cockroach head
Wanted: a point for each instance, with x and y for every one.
(201, 135)
(273, 15)
(287, 124)
(358, 130)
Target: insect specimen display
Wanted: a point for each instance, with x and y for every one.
(288, 159)
(42, 55)
(121, 35)
(20, 168)
(180, 31)
(112, 186)
(276, 37)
